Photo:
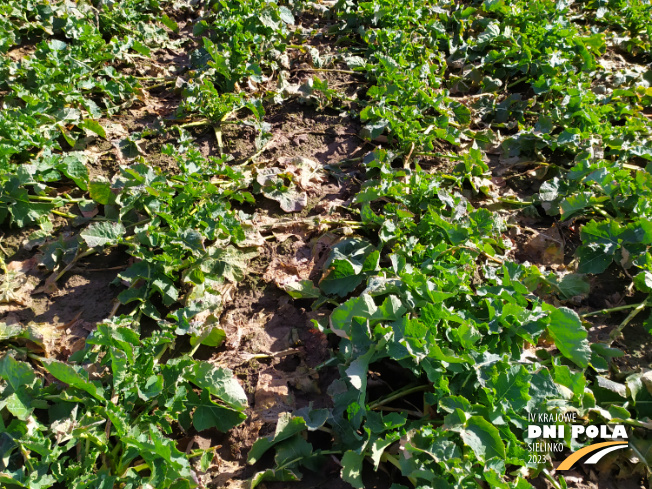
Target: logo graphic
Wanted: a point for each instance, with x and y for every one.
(602, 449)
(544, 435)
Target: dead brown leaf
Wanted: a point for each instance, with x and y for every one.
(308, 173)
(272, 396)
(546, 248)
(16, 287)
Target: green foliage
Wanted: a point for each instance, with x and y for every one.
(115, 417)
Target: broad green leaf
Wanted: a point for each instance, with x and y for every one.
(303, 289)
(208, 414)
(341, 317)
(379, 445)
(18, 405)
(151, 388)
(100, 192)
(313, 418)
(17, 374)
(214, 337)
(643, 281)
(283, 475)
(352, 468)
(574, 381)
(292, 450)
(74, 168)
(68, 375)
(512, 387)
(154, 278)
(286, 427)
(593, 259)
(220, 382)
(169, 23)
(103, 233)
(451, 403)
(483, 438)
(573, 285)
(93, 126)
(340, 278)
(569, 335)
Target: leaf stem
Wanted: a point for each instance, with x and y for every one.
(416, 414)
(602, 212)
(204, 122)
(517, 81)
(159, 85)
(410, 389)
(505, 200)
(609, 311)
(67, 215)
(394, 461)
(552, 480)
(43, 198)
(70, 265)
(331, 70)
(616, 332)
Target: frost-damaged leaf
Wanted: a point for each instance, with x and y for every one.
(14, 287)
(220, 382)
(273, 186)
(352, 468)
(103, 233)
(286, 15)
(610, 385)
(354, 61)
(9, 331)
(569, 335)
(307, 173)
(483, 438)
(229, 263)
(642, 449)
(289, 198)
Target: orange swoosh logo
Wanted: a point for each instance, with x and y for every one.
(571, 459)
